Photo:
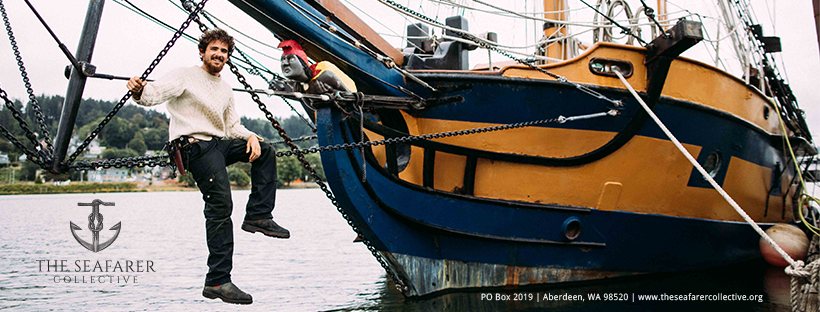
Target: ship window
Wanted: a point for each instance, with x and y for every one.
(712, 163)
(572, 228)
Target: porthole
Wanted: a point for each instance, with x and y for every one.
(712, 163)
(571, 228)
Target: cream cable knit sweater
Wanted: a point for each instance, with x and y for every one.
(201, 104)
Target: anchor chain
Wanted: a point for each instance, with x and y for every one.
(128, 162)
(38, 114)
(35, 157)
(254, 70)
(29, 153)
(295, 150)
(408, 138)
(304, 138)
(93, 134)
(400, 286)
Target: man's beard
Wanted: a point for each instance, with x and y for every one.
(214, 68)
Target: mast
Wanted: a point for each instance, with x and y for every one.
(816, 5)
(661, 13)
(558, 49)
(76, 82)
(737, 41)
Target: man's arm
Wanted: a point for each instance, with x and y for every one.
(233, 126)
(157, 92)
(235, 130)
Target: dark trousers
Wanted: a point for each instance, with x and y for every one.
(207, 161)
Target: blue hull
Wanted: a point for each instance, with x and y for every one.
(433, 231)
(438, 240)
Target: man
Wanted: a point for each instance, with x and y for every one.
(205, 122)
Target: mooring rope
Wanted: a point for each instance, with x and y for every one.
(801, 273)
(703, 171)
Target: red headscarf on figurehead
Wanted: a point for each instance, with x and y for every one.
(292, 47)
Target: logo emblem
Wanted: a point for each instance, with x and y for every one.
(95, 224)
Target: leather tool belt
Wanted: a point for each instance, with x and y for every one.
(174, 148)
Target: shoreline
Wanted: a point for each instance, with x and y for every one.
(117, 187)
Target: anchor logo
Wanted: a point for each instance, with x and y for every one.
(95, 224)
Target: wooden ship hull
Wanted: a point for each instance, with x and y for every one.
(561, 202)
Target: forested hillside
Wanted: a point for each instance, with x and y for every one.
(131, 132)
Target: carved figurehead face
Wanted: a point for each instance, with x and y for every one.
(293, 68)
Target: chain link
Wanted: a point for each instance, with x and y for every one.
(35, 157)
(400, 285)
(29, 153)
(293, 150)
(254, 70)
(127, 162)
(38, 114)
(93, 134)
(408, 138)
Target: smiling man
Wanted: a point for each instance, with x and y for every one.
(205, 124)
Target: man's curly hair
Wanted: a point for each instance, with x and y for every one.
(215, 34)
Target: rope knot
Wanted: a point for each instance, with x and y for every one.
(800, 269)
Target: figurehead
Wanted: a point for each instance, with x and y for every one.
(321, 77)
(295, 62)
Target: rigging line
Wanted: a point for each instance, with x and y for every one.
(245, 58)
(255, 71)
(483, 43)
(668, 22)
(398, 88)
(59, 43)
(157, 21)
(237, 41)
(539, 57)
(127, 95)
(531, 13)
(463, 6)
(380, 23)
(496, 46)
(387, 61)
(542, 42)
(624, 29)
(188, 37)
(711, 43)
(241, 33)
(649, 12)
(142, 13)
(335, 32)
(38, 114)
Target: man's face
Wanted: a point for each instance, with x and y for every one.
(292, 68)
(214, 57)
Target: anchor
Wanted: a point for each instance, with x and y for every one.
(95, 215)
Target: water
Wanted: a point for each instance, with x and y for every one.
(317, 269)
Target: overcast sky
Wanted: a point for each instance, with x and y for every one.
(127, 43)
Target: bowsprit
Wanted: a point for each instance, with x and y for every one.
(95, 225)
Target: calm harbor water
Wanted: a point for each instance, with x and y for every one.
(317, 269)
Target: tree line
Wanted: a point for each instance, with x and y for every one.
(132, 132)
